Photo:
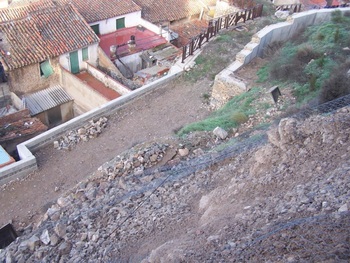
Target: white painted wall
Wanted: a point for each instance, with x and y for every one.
(4, 3)
(93, 56)
(286, 2)
(155, 28)
(109, 25)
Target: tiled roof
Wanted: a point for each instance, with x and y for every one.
(188, 30)
(22, 126)
(171, 10)
(97, 10)
(18, 12)
(42, 34)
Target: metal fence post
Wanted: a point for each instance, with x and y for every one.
(184, 49)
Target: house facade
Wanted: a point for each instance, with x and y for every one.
(106, 16)
(40, 40)
(34, 47)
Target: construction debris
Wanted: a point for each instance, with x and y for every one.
(85, 133)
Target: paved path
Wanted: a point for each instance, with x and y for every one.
(148, 118)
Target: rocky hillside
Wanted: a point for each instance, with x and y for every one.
(276, 197)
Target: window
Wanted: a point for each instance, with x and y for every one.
(96, 29)
(120, 22)
(45, 69)
(85, 53)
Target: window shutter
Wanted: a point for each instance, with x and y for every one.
(46, 68)
(120, 23)
(85, 53)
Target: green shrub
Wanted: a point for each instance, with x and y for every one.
(239, 117)
(305, 53)
(312, 82)
(337, 16)
(309, 64)
(337, 85)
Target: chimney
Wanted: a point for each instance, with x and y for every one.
(4, 3)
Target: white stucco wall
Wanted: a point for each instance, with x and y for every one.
(4, 4)
(155, 28)
(286, 2)
(109, 25)
(93, 56)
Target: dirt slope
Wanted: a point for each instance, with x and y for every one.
(283, 197)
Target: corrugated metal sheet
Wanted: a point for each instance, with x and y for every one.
(46, 99)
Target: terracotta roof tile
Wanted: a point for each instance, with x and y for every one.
(42, 34)
(97, 10)
(18, 12)
(188, 30)
(171, 10)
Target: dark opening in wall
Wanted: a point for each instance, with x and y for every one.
(7, 235)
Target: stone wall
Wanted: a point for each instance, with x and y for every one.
(27, 79)
(225, 87)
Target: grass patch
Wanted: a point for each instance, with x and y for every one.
(234, 113)
(224, 38)
(205, 67)
(263, 74)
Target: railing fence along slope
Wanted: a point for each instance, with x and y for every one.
(217, 24)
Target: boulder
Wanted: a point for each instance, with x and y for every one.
(45, 238)
(220, 133)
(183, 152)
(282, 14)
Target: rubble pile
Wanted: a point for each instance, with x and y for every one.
(135, 161)
(89, 131)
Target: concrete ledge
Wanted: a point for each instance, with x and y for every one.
(28, 163)
(18, 170)
(223, 89)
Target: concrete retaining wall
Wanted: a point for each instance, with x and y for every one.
(28, 163)
(273, 33)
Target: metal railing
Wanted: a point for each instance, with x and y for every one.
(215, 25)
